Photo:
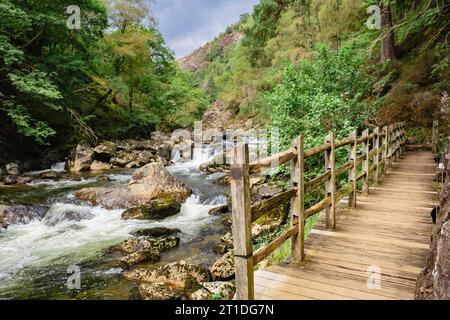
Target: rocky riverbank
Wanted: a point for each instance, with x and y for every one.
(148, 194)
(434, 281)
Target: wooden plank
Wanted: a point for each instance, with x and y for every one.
(344, 168)
(263, 207)
(376, 143)
(366, 163)
(317, 150)
(242, 221)
(319, 207)
(330, 185)
(292, 289)
(341, 288)
(353, 172)
(272, 162)
(298, 202)
(317, 182)
(264, 252)
(345, 278)
(389, 229)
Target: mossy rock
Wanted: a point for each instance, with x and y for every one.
(155, 210)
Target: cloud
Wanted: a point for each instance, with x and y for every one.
(189, 24)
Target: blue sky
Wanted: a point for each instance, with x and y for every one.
(188, 24)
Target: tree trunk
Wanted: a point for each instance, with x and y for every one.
(387, 34)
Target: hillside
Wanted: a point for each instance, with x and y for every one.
(411, 84)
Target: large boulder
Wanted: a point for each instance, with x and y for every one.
(147, 184)
(10, 180)
(213, 290)
(144, 249)
(100, 166)
(160, 291)
(156, 232)
(155, 210)
(162, 244)
(13, 169)
(219, 210)
(81, 158)
(105, 151)
(182, 275)
(19, 214)
(223, 269)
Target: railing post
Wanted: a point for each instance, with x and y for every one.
(241, 213)
(435, 136)
(385, 149)
(330, 185)
(353, 171)
(298, 201)
(397, 143)
(390, 146)
(366, 166)
(377, 155)
(402, 138)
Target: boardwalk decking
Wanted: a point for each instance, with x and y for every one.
(389, 230)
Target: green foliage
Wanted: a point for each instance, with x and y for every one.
(38, 54)
(116, 80)
(323, 94)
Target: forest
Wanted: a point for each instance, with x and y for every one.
(115, 77)
(93, 184)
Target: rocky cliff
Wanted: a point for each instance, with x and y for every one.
(434, 281)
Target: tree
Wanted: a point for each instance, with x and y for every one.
(387, 33)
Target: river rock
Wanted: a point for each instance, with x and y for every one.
(81, 158)
(10, 180)
(12, 169)
(160, 291)
(147, 184)
(144, 249)
(120, 162)
(224, 290)
(182, 275)
(200, 295)
(149, 255)
(155, 210)
(219, 210)
(147, 243)
(105, 151)
(19, 214)
(100, 166)
(223, 269)
(156, 232)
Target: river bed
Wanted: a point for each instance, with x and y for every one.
(34, 258)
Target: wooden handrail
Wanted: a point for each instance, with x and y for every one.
(380, 149)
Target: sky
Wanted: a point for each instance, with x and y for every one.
(189, 24)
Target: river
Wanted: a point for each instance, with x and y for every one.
(34, 258)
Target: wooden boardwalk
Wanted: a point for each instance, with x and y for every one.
(389, 231)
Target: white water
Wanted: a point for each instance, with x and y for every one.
(55, 240)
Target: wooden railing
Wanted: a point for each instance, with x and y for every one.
(374, 152)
